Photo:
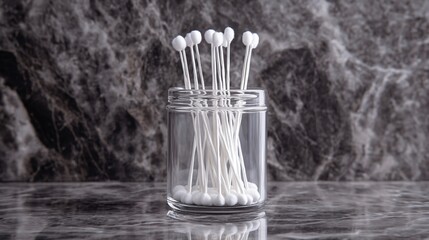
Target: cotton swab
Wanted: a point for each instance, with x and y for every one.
(229, 36)
(196, 39)
(208, 36)
(230, 198)
(247, 41)
(255, 42)
(190, 44)
(222, 64)
(242, 198)
(252, 194)
(217, 43)
(179, 44)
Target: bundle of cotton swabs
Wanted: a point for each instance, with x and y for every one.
(217, 155)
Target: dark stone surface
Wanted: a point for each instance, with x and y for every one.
(83, 86)
(295, 210)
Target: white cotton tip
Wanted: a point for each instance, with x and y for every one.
(242, 199)
(196, 36)
(206, 200)
(217, 39)
(196, 197)
(255, 194)
(186, 198)
(249, 198)
(247, 38)
(179, 194)
(231, 199)
(228, 34)
(255, 40)
(252, 185)
(218, 200)
(208, 36)
(179, 43)
(188, 40)
(178, 187)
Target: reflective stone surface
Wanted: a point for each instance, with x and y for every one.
(300, 210)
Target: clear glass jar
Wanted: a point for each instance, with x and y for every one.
(216, 150)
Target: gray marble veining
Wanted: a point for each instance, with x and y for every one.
(295, 210)
(83, 86)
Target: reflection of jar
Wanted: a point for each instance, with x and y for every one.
(256, 229)
(216, 150)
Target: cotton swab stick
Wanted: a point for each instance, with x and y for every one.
(204, 198)
(239, 164)
(255, 42)
(229, 36)
(250, 194)
(185, 60)
(225, 132)
(232, 198)
(217, 43)
(190, 44)
(227, 100)
(196, 39)
(179, 44)
(247, 41)
(222, 62)
(208, 36)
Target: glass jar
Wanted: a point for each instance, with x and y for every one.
(216, 150)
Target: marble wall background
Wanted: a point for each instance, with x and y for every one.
(83, 86)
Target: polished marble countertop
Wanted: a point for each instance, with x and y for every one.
(295, 210)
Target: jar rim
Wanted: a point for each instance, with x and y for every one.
(183, 90)
(209, 99)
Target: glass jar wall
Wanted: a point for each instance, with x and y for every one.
(216, 150)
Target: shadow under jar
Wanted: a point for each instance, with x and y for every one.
(216, 150)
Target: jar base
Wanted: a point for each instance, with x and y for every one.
(215, 218)
(188, 212)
